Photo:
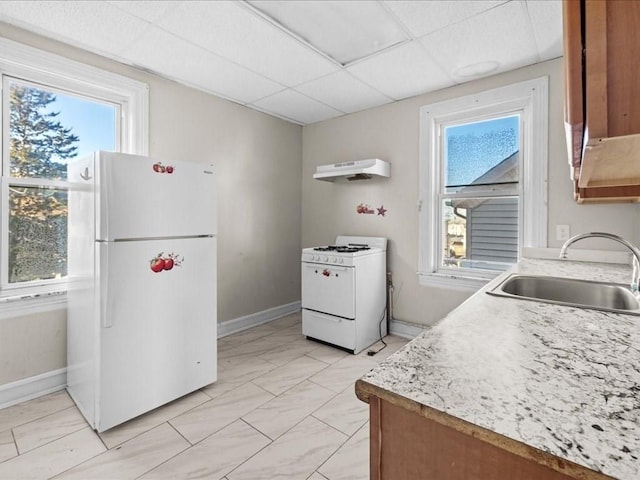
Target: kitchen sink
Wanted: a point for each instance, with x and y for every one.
(609, 297)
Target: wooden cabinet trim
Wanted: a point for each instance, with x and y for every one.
(375, 442)
(573, 94)
(596, 69)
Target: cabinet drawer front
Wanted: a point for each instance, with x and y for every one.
(334, 330)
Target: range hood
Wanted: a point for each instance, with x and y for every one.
(356, 170)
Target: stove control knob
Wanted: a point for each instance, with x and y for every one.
(335, 260)
(341, 261)
(324, 259)
(316, 257)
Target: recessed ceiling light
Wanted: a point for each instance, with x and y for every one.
(345, 30)
(479, 69)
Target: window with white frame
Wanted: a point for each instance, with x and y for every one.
(53, 110)
(483, 164)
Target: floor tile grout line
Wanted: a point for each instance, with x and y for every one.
(15, 445)
(291, 361)
(316, 471)
(226, 425)
(286, 431)
(293, 386)
(261, 353)
(271, 442)
(84, 461)
(255, 453)
(329, 400)
(151, 427)
(189, 446)
(46, 414)
(349, 437)
(102, 453)
(253, 339)
(264, 390)
(85, 425)
(179, 433)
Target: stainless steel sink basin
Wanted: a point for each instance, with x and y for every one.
(567, 291)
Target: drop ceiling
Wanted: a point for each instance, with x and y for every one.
(306, 61)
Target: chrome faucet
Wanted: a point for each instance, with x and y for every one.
(635, 280)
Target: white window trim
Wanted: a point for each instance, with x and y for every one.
(34, 65)
(532, 98)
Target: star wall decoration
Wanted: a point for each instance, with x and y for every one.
(382, 210)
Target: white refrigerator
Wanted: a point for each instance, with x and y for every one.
(142, 324)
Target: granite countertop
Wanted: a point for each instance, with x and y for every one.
(563, 380)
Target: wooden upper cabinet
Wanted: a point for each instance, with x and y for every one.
(602, 106)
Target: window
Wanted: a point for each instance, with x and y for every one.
(483, 164)
(53, 110)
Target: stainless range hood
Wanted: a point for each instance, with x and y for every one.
(356, 170)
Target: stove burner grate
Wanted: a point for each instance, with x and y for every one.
(351, 248)
(328, 248)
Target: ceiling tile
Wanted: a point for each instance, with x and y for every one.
(546, 18)
(93, 25)
(497, 40)
(344, 92)
(426, 17)
(149, 10)
(239, 34)
(401, 72)
(295, 106)
(178, 59)
(346, 31)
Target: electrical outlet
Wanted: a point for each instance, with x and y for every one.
(563, 232)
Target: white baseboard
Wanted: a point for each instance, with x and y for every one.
(248, 321)
(32, 387)
(404, 329)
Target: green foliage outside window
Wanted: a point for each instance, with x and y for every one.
(39, 148)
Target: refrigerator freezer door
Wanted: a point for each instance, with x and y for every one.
(141, 197)
(161, 340)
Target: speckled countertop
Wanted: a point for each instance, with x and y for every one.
(563, 380)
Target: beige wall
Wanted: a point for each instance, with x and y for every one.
(258, 159)
(391, 132)
(32, 344)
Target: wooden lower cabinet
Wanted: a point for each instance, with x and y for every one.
(407, 446)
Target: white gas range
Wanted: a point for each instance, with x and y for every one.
(344, 292)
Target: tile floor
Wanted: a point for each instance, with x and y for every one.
(284, 407)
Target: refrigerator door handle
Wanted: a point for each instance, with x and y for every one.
(105, 299)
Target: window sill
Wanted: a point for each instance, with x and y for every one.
(20, 305)
(454, 282)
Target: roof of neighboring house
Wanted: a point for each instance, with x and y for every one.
(501, 175)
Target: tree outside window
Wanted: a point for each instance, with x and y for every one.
(46, 130)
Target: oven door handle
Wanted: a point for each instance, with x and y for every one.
(321, 266)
